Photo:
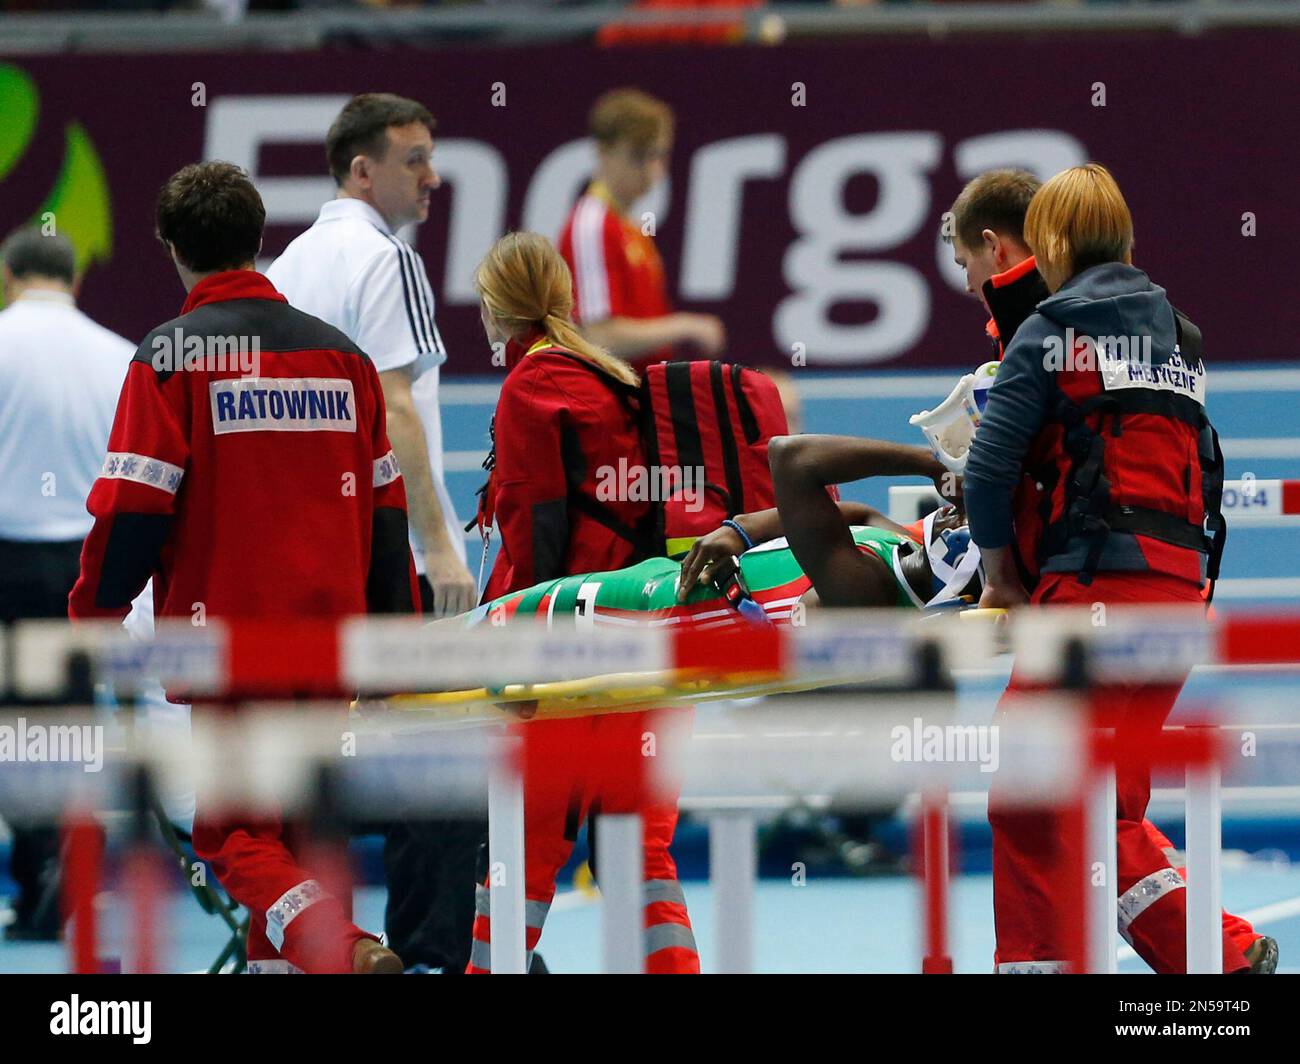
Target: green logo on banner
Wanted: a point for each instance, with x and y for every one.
(78, 203)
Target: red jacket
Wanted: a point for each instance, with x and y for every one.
(561, 429)
(617, 271)
(1124, 463)
(1011, 297)
(265, 494)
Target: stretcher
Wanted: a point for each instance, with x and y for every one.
(643, 594)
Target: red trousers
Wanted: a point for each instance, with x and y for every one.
(1238, 928)
(1030, 872)
(591, 765)
(299, 900)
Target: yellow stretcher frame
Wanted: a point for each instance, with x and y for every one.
(563, 699)
(610, 693)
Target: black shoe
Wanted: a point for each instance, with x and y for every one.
(1262, 955)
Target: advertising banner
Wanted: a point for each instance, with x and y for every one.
(807, 185)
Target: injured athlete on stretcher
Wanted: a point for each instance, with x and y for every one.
(927, 565)
(850, 553)
(809, 550)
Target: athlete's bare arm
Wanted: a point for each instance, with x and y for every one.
(630, 337)
(760, 526)
(867, 458)
(802, 468)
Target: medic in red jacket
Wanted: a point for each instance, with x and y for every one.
(270, 494)
(1100, 398)
(563, 429)
(1011, 297)
(559, 423)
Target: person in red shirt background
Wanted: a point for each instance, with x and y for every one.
(619, 288)
(560, 419)
(615, 33)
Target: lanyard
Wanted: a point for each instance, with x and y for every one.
(486, 532)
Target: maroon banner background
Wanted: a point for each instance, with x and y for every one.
(1201, 133)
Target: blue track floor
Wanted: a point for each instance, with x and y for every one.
(832, 926)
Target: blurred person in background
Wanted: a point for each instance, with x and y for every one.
(559, 420)
(722, 31)
(352, 270)
(60, 376)
(620, 290)
(791, 400)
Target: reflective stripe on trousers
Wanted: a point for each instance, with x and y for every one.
(660, 935)
(1144, 893)
(666, 934)
(290, 904)
(280, 967)
(480, 953)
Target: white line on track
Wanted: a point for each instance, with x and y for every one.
(484, 393)
(870, 384)
(1254, 380)
(1274, 912)
(1262, 447)
(568, 900)
(930, 386)
(1243, 587)
(935, 386)
(464, 461)
(1252, 447)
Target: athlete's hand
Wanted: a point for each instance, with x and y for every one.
(949, 487)
(453, 587)
(719, 545)
(705, 331)
(1003, 596)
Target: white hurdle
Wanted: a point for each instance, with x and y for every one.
(836, 746)
(1102, 870)
(733, 871)
(1204, 828)
(1246, 503)
(619, 853)
(506, 877)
